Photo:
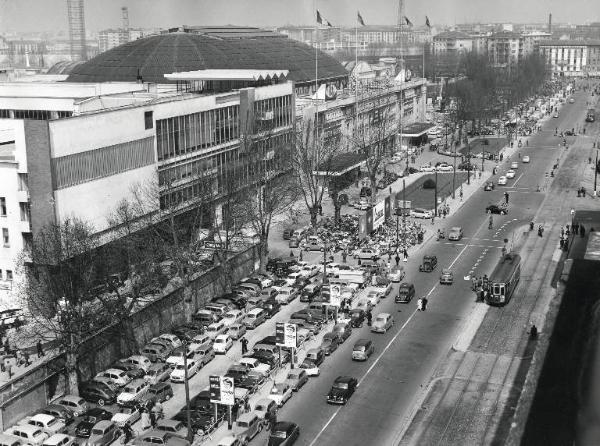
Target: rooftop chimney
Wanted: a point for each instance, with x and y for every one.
(550, 23)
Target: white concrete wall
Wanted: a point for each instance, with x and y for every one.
(95, 201)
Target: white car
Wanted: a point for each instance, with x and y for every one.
(309, 271)
(421, 213)
(382, 323)
(280, 393)
(28, 435)
(135, 390)
(444, 168)
(253, 364)
(396, 275)
(510, 174)
(140, 361)
(118, 377)
(222, 343)
(232, 317)
(178, 375)
(48, 423)
(526, 159)
(455, 233)
(172, 339)
(60, 440)
(374, 297)
(514, 165)
(368, 254)
(286, 295)
(502, 181)
(310, 367)
(427, 168)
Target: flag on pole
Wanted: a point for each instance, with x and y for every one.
(408, 22)
(360, 19)
(427, 23)
(328, 23)
(319, 18)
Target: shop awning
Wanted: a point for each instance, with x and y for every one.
(416, 129)
(340, 165)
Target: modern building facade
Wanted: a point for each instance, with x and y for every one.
(568, 58)
(504, 49)
(76, 16)
(452, 43)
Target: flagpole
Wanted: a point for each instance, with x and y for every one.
(316, 76)
(356, 63)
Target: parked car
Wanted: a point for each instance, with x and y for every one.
(205, 354)
(296, 378)
(502, 181)
(28, 435)
(247, 426)
(514, 165)
(92, 416)
(176, 357)
(178, 375)
(284, 433)
(271, 307)
(342, 389)
(60, 412)
(330, 343)
(286, 295)
(48, 423)
(134, 391)
(236, 331)
(156, 437)
(60, 440)
(510, 174)
(265, 408)
(280, 393)
(526, 159)
(75, 404)
(128, 413)
(222, 344)
(421, 213)
(160, 392)
(173, 427)
(489, 186)
(382, 323)
(157, 373)
(156, 352)
(104, 433)
(343, 330)
(98, 394)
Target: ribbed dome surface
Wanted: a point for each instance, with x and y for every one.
(157, 55)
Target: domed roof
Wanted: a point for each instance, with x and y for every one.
(157, 55)
(63, 67)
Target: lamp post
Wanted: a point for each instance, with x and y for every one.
(596, 173)
(190, 435)
(468, 163)
(435, 193)
(453, 175)
(446, 132)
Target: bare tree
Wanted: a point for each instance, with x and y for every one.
(374, 138)
(312, 161)
(58, 290)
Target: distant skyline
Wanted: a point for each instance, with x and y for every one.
(51, 15)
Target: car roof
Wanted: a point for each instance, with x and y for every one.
(168, 422)
(247, 416)
(55, 438)
(284, 425)
(384, 315)
(343, 378)
(455, 228)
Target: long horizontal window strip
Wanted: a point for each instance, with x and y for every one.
(82, 167)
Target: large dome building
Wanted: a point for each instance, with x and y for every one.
(190, 49)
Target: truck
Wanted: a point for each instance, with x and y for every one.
(353, 276)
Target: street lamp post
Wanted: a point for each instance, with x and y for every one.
(435, 193)
(187, 392)
(596, 173)
(468, 163)
(454, 175)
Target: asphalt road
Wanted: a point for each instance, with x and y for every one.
(406, 356)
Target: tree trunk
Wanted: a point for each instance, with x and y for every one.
(373, 180)
(71, 370)
(314, 212)
(263, 253)
(337, 207)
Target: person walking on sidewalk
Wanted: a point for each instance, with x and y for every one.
(244, 343)
(491, 223)
(40, 349)
(405, 254)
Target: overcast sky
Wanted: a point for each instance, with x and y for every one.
(51, 15)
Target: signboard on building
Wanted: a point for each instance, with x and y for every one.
(214, 384)
(335, 294)
(365, 224)
(286, 335)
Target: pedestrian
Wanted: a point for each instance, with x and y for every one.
(344, 256)
(491, 223)
(562, 231)
(389, 266)
(152, 416)
(461, 194)
(397, 259)
(7, 349)
(291, 253)
(272, 419)
(582, 231)
(420, 304)
(26, 359)
(432, 219)
(235, 409)
(145, 420)
(40, 349)
(425, 303)
(444, 212)
(369, 317)
(405, 254)
(244, 343)
(506, 197)
(300, 255)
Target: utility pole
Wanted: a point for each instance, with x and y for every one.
(190, 435)
(468, 163)
(435, 194)
(453, 176)
(596, 173)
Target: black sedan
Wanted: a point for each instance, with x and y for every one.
(495, 209)
(92, 416)
(252, 382)
(489, 186)
(284, 433)
(342, 389)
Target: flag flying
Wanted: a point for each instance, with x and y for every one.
(360, 19)
(408, 22)
(319, 18)
(427, 23)
(328, 23)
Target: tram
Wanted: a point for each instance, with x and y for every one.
(504, 279)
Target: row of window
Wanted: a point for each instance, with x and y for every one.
(5, 238)
(197, 131)
(24, 208)
(9, 275)
(274, 112)
(82, 167)
(40, 115)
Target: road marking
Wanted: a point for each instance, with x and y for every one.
(326, 425)
(517, 180)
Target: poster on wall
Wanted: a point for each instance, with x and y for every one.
(378, 215)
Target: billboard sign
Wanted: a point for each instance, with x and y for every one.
(335, 295)
(286, 335)
(214, 383)
(378, 214)
(222, 390)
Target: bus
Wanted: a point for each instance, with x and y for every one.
(591, 115)
(504, 279)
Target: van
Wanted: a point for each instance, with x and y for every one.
(215, 329)
(265, 408)
(363, 348)
(204, 317)
(217, 309)
(134, 391)
(103, 433)
(254, 318)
